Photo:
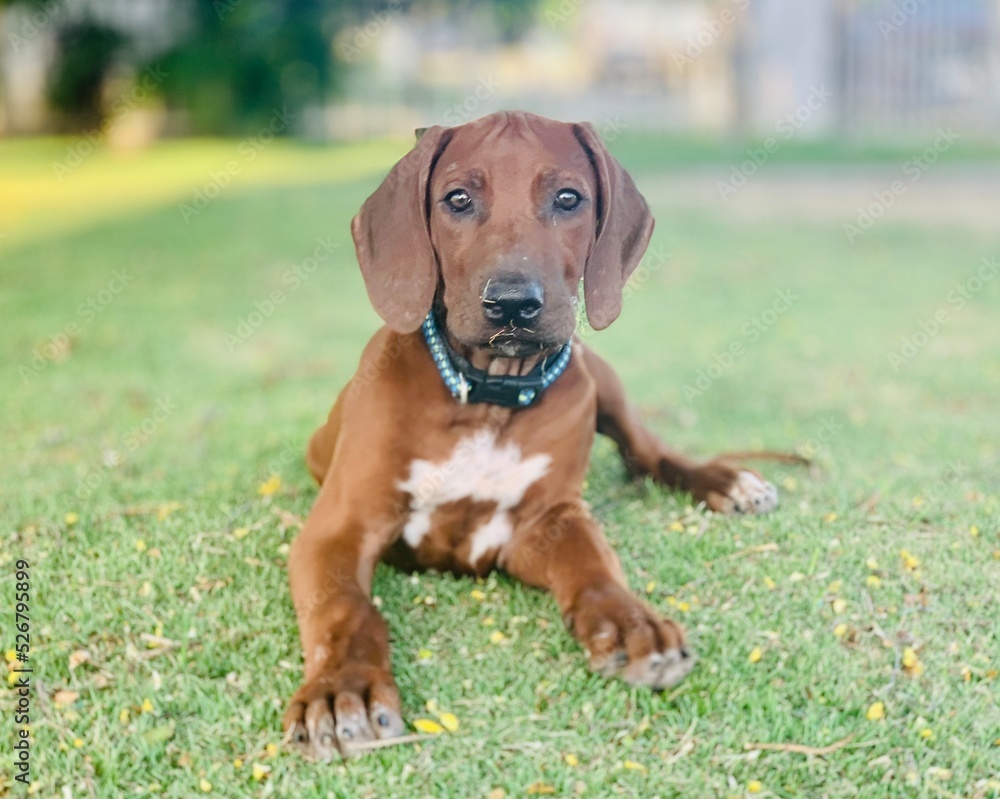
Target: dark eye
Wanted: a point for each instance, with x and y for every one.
(567, 199)
(458, 201)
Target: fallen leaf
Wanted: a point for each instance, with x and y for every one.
(875, 712)
(428, 727)
(159, 734)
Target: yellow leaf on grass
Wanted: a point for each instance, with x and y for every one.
(909, 561)
(240, 532)
(974, 531)
(927, 734)
(875, 712)
(571, 760)
(756, 654)
(259, 771)
(147, 706)
(650, 586)
(497, 637)
(477, 595)
(541, 788)
(71, 518)
(839, 606)
(754, 786)
(10, 655)
(631, 764)
(140, 545)
(205, 785)
(428, 727)
(840, 630)
(771, 584)
(449, 721)
(871, 563)
(873, 581)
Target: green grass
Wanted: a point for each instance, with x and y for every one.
(912, 464)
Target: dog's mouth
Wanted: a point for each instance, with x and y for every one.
(514, 342)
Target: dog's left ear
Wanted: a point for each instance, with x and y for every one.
(624, 225)
(392, 238)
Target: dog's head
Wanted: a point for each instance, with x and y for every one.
(494, 223)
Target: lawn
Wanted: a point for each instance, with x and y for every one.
(157, 397)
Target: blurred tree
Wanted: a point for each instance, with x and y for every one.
(246, 61)
(85, 53)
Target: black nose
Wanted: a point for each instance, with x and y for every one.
(512, 300)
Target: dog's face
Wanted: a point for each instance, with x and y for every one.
(512, 215)
(494, 224)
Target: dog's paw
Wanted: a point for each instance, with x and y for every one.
(341, 708)
(748, 493)
(727, 489)
(625, 638)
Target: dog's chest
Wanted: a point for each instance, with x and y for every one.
(460, 507)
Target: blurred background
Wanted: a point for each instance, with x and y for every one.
(140, 69)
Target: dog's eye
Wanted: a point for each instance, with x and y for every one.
(458, 200)
(567, 199)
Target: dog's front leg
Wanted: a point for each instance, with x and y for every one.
(566, 553)
(348, 694)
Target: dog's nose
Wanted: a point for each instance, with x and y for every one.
(512, 300)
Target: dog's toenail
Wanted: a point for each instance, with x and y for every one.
(685, 654)
(383, 720)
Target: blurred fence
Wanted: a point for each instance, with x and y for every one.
(914, 65)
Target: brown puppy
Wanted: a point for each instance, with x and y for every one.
(428, 463)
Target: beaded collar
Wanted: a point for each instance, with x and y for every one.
(468, 384)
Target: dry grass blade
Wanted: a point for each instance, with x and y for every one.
(800, 749)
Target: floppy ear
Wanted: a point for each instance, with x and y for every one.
(624, 226)
(392, 239)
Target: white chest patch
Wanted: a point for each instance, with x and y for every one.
(477, 469)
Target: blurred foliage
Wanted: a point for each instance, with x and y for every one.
(246, 61)
(236, 66)
(85, 53)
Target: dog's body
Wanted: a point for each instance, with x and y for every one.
(490, 227)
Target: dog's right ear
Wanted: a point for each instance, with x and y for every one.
(393, 241)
